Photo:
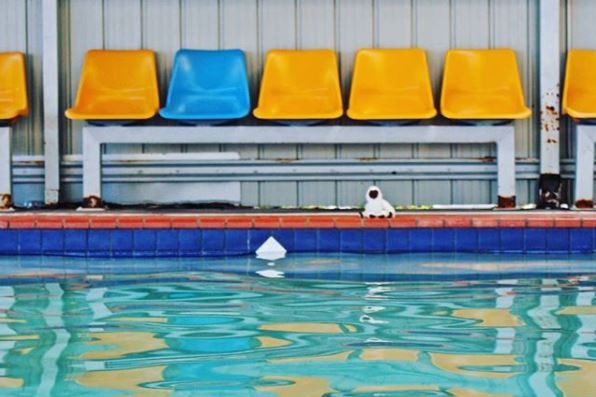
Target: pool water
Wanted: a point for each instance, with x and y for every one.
(447, 326)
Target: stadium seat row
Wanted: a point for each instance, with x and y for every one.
(387, 84)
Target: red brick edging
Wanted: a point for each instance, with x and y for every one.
(114, 220)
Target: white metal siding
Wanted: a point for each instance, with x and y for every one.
(20, 30)
(258, 25)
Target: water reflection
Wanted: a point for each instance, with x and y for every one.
(234, 335)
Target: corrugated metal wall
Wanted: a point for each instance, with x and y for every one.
(20, 30)
(346, 25)
(258, 25)
(581, 33)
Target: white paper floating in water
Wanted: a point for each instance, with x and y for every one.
(270, 273)
(271, 250)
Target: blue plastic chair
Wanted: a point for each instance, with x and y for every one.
(208, 86)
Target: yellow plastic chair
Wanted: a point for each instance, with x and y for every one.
(117, 85)
(300, 85)
(391, 84)
(13, 86)
(579, 94)
(482, 84)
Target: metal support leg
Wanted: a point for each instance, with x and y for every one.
(91, 171)
(549, 185)
(584, 167)
(506, 170)
(51, 112)
(5, 169)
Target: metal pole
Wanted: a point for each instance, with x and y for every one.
(50, 101)
(584, 166)
(550, 115)
(5, 168)
(506, 170)
(91, 171)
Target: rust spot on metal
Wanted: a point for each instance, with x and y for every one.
(367, 159)
(5, 201)
(584, 204)
(550, 140)
(285, 161)
(487, 159)
(92, 202)
(506, 202)
(550, 113)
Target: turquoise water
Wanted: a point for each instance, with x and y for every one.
(304, 326)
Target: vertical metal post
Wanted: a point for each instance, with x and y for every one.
(51, 100)
(91, 171)
(506, 170)
(550, 114)
(584, 166)
(5, 168)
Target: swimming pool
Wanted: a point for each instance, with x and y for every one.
(335, 325)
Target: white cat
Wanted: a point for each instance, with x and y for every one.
(376, 206)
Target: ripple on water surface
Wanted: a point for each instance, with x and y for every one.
(229, 334)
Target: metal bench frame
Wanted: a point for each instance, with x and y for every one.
(584, 166)
(95, 137)
(5, 168)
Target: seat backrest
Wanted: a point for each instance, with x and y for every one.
(580, 75)
(120, 72)
(209, 70)
(300, 71)
(13, 82)
(481, 70)
(377, 69)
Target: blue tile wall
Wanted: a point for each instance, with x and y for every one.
(214, 242)
(286, 237)
(466, 240)
(489, 240)
(398, 240)
(122, 242)
(190, 242)
(236, 241)
(166, 243)
(305, 240)
(257, 237)
(536, 240)
(421, 240)
(30, 242)
(329, 240)
(75, 241)
(217, 242)
(9, 241)
(144, 242)
(557, 240)
(52, 242)
(581, 240)
(350, 240)
(444, 240)
(100, 242)
(374, 241)
(512, 239)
